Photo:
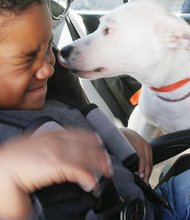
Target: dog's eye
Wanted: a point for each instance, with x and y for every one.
(106, 31)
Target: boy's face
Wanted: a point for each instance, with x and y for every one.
(26, 58)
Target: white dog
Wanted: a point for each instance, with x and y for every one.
(146, 41)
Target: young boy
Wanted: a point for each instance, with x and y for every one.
(74, 155)
(28, 164)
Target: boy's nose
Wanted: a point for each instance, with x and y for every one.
(45, 72)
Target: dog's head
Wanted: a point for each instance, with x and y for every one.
(132, 39)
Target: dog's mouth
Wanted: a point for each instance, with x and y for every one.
(62, 61)
(81, 73)
(88, 74)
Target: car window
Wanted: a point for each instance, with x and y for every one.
(173, 5)
(95, 4)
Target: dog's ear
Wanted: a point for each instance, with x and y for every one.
(174, 33)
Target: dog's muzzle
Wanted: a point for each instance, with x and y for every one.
(66, 51)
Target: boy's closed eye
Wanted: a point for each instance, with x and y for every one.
(28, 57)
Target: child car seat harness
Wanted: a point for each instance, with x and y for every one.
(123, 197)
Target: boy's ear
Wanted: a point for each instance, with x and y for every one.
(174, 33)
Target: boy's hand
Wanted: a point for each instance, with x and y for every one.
(144, 152)
(73, 155)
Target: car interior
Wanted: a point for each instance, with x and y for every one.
(112, 95)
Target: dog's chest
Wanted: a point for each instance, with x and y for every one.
(171, 116)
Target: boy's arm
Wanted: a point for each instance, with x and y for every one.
(144, 152)
(28, 164)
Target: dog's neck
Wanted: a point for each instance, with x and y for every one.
(171, 88)
(171, 73)
(171, 83)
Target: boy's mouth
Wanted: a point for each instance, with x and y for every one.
(38, 87)
(38, 90)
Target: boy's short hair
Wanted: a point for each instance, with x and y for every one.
(16, 6)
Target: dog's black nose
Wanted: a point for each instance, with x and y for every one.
(65, 51)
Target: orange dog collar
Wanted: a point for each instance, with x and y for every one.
(171, 87)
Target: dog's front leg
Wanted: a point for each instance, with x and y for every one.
(138, 123)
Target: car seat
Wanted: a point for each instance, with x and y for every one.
(111, 205)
